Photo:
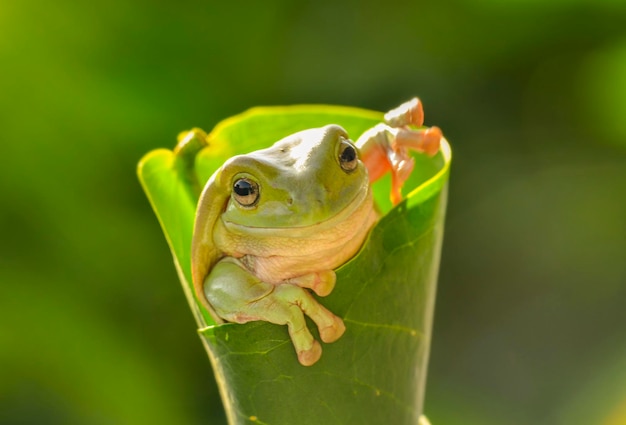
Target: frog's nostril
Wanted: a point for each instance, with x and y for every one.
(289, 201)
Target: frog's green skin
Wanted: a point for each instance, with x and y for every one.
(272, 224)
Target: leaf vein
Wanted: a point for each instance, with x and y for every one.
(399, 328)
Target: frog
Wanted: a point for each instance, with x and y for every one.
(271, 226)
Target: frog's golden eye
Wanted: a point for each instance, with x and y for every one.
(246, 192)
(348, 158)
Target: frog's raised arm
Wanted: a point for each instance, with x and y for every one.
(385, 147)
(204, 253)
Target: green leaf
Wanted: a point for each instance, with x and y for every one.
(376, 372)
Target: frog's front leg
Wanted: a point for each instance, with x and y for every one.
(238, 296)
(385, 147)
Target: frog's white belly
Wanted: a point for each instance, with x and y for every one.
(274, 255)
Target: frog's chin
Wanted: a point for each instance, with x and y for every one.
(361, 204)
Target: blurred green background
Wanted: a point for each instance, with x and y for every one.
(530, 323)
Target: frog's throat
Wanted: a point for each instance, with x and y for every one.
(276, 254)
(362, 203)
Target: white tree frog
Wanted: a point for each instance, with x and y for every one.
(272, 225)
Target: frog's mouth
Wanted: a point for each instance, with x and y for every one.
(359, 207)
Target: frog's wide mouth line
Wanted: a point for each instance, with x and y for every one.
(361, 202)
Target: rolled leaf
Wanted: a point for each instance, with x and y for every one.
(375, 373)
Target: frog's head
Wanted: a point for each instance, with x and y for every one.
(303, 179)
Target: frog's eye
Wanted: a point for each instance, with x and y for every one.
(246, 192)
(348, 158)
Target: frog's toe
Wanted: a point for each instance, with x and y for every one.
(325, 283)
(322, 283)
(432, 140)
(410, 112)
(333, 332)
(311, 355)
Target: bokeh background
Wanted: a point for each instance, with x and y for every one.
(530, 323)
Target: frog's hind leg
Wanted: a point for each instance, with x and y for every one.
(284, 308)
(286, 305)
(330, 327)
(237, 296)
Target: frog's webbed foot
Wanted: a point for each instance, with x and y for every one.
(330, 326)
(287, 305)
(238, 296)
(385, 147)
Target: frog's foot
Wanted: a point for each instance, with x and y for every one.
(405, 118)
(427, 140)
(237, 296)
(283, 305)
(294, 301)
(307, 348)
(385, 147)
(322, 283)
(330, 326)
(409, 113)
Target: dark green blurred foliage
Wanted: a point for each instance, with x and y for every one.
(530, 324)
